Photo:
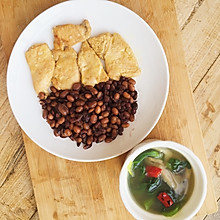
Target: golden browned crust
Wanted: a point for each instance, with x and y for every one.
(120, 59)
(70, 34)
(66, 70)
(91, 68)
(41, 64)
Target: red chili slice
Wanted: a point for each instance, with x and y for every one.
(153, 171)
(165, 199)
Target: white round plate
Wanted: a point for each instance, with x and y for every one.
(104, 16)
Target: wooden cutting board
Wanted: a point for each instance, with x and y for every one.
(74, 190)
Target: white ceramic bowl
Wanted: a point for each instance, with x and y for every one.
(200, 184)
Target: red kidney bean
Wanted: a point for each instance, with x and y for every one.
(98, 110)
(89, 132)
(101, 138)
(63, 109)
(117, 96)
(125, 125)
(131, 118)
(69, 104)
(126, 95)
(114, 119)
(76, 86)
(88, 96)
(91, 110)
(79, 109)
(45, 113)
(80, 103)
(131, 87)
(76, 129)
(89, 114)
(115, 111)
(41, 95)
(108, 140)
(89, 140)
(52, 123)
(99, 95)
(86, 126)
(70, 98)
(132, 81)
(92, 104)
(93, 119)
(64, 94)
(105, 114)
(50, 116)
(100, 103)
(104, 120)
(67, 132)
(53, 89)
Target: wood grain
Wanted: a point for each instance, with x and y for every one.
(175, 116)
(203, 48)
(14, 175)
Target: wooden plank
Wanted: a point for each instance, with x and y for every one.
(17, 190)
(24, 13)
(185, 10)
(71, 190)
(201, 40)
(174, 110)
(208, 107)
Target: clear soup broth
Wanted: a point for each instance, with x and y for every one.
(161, 181)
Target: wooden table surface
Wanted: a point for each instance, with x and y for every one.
(199, 22)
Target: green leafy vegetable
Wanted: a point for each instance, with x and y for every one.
(176, 165)
(153, 183)
(148, 203)
(170, 212)
(130, 170)
(149, 153)
(175, 197)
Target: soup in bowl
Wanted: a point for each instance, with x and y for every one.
(161, 180)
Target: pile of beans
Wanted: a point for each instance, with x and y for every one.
(89, 114)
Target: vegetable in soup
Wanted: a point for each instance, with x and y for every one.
(161, 181)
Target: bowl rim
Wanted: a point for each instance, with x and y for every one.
(195, 162)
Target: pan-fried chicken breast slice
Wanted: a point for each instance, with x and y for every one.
(70, 34)
(41, 63)
(100, 44)
(90, 66)
(120, 59)
(66, 70)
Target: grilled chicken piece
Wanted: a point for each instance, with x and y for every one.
(101, 44)
(120, 59)
(70, 34)
(91, 68)
(66, 70)
(41, 64)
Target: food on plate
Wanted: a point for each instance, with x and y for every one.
(66, 70)
(41, 64)
(86, 102)
(101, 43)
(119, 57)
(90, 66)
(87, 114)
(70, 34)
(161, 181)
